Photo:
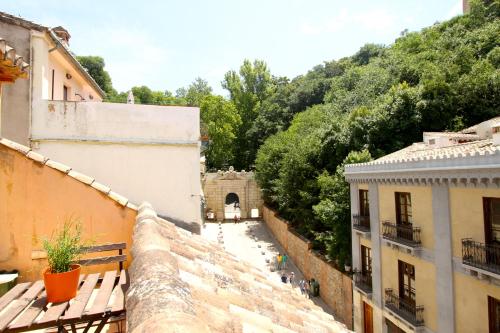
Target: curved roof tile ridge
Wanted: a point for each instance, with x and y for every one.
(80, 177)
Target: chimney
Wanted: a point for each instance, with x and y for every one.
(465, 6)
(437, 140)
(495, 133)
(62, 34)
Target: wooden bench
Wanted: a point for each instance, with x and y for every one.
(120, 258)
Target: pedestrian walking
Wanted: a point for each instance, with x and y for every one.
(284, 260)
(283, 278)
(307, 288)
(280, 258)
(292, 278)
(302, 286)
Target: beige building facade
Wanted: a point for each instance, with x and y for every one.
(146, 152)
(224, 190)
(55, 75)
(426, 235)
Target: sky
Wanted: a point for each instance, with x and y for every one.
(166, 44)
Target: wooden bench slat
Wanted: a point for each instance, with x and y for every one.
(104, 247)
(119, 292)
(28, 316)
(104, 293)
(102, 260)
(76, 308)
(20, 304)
(13, 294)
(56, 310)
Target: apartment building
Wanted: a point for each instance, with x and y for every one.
(426, 235)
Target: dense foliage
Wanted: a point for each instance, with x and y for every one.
(221, 121)
(379, 100)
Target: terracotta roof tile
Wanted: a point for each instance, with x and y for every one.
(16, 146)
(36, 157)
(87, 180)
(188, 277)
(476, 145)
(118, 198)
(100, 187)
(58, 166)
(81, 177)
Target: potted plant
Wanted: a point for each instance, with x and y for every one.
(62, 275)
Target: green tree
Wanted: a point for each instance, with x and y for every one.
(366, 52)
(197, 91)
(334, 211)
(247, 90)
(95, 67)
(221, 121)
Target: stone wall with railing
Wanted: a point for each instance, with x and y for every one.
(335, 286)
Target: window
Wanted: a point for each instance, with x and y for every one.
(403, 208)
(65, 93)
(494, 314)
(406, 281)
(492, 220)
(364, 207)
(366, 261)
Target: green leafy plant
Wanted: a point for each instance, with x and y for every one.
(64, 247)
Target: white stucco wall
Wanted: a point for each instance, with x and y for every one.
(117, 122)
(142, 152)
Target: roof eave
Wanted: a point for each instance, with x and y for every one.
(77, 64)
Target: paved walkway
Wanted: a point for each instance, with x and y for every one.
(253, 242)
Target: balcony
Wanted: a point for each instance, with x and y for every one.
(409, 312)
(361, 223)
(481, 258)
(363, 282)
(406, 235)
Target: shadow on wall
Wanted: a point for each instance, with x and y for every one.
(336, 287)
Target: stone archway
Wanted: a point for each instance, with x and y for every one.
(217, 186)
(232, 207)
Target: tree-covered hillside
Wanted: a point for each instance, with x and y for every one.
(299, 133)
(381, 99)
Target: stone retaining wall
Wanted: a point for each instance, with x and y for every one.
(335, 286)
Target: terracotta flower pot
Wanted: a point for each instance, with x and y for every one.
(61, 287)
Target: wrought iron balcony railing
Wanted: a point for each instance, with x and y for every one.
(363, 281)
(404, 234)
(361, 223)
(404, 308)
(479, 255)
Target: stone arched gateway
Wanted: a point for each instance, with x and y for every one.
(218, 185)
